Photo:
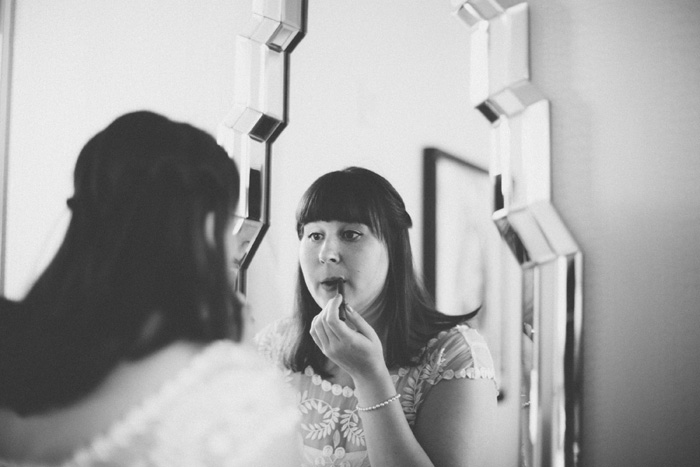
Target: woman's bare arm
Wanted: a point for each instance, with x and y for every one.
(390, 440)
(456, 423)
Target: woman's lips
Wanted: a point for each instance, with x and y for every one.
(332, 284)
(336, 285)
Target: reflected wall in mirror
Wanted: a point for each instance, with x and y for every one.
(550, 259)
(6, 13)
(359, 98)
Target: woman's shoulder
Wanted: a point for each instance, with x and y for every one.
(208, 410)
(231, 405)
(459, 352)
(278, 327)
(218, 394)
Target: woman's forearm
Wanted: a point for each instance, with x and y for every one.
(390, 440)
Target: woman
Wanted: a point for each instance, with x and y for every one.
(123, 352)
(394, 383)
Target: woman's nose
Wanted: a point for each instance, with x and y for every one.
(329, 252)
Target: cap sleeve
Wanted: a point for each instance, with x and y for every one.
(272, 341)
(461, 352)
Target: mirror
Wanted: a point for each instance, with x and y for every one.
(259, 115)
(544, 258)
(76, 66)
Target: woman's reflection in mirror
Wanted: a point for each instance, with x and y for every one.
(396, 383)
(124, 351)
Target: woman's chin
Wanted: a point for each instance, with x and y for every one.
(322, 301)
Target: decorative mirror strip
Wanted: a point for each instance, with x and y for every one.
(550, 259)
(259, 114)
(6, 12)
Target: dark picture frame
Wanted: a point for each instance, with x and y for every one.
(462, 246)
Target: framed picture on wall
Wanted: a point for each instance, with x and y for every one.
(462, 246)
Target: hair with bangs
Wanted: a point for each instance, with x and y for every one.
(360, 195)
(137, 269)
(347, 197)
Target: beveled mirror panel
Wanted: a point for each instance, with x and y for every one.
(551, 261)
(259, 115)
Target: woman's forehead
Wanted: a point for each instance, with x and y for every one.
(336, 223)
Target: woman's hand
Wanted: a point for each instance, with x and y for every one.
(351, 344)
(355, 347)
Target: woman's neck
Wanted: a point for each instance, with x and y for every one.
(373, 313)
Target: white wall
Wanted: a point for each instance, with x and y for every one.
(624, 82)
(372, 83)
(77, 65)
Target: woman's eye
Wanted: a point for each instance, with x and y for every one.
(351, 235)
(315, 236)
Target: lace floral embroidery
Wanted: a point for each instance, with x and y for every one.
(331, 416)
(331, 426)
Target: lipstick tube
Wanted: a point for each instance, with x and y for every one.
(341, 291)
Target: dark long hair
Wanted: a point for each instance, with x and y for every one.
(137, 269)
(409, 315)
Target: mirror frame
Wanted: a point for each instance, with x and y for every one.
(549, 258)
(259, 115)
(6, 37)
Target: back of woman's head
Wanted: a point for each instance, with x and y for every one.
(142, 264)
(144, 187)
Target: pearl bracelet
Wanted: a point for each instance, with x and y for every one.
(381, 404)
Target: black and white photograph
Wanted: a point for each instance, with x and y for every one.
(352, 233)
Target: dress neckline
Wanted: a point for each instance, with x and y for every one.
(327, 386)
(396, 374)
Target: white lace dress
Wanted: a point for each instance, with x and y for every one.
(223, 409)
(331, 428)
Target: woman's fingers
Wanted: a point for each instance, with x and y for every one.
(362, 326)
(317, 341)
(330, 317)
(347, 331)
(319, 333)
(352, 344)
